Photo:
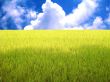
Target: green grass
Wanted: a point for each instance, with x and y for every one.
(54, 56)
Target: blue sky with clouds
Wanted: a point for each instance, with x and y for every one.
(54, 14)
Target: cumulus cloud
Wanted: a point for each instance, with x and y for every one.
(81, 14)
(98, 23)
(31, 14)
(16, 12)
(53, 16)
(13, 11)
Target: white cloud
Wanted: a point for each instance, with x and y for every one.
(75, 28)
(98, 23)
(15, 12)
(31, 14)
(81, 14)
(53, 16)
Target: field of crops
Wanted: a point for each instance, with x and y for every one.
(55, 56)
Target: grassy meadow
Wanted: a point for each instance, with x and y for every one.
(55, 56)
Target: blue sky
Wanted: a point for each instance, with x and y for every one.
(54, 14)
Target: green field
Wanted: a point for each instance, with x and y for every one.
(55, 56)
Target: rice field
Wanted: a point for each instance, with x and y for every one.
(55, 56)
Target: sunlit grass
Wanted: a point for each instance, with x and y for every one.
(54, 56)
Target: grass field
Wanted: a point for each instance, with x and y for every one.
(54, 56)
